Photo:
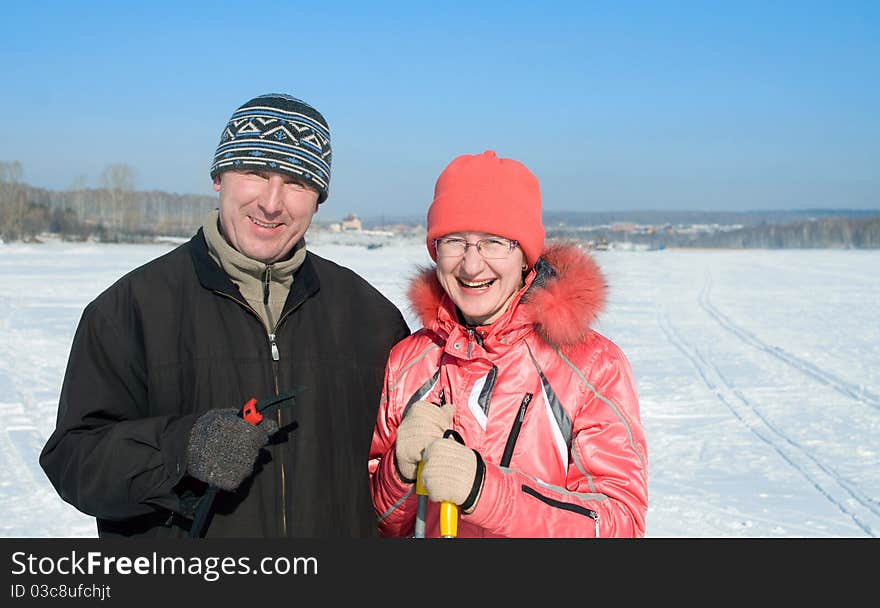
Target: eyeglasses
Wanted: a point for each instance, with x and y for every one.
(494, 248)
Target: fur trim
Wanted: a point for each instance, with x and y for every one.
(562, 303)
(425, 294)
(564, 306)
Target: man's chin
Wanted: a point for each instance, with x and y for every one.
(262, 255)
(269, 251)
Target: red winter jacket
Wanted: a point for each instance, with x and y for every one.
(579, 464)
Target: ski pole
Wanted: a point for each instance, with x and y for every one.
(422, 504)
(449, 510)
(251, 412)
(422, 501)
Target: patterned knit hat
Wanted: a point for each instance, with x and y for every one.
(277, 132)
(485, 193)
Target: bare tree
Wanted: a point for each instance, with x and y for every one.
(78, 191)
(118, 179)
(13, 203)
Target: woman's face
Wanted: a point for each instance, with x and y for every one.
(481, 288)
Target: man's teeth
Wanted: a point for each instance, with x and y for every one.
(264, 224)
(483, 284)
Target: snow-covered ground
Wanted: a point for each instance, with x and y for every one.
(758, 373)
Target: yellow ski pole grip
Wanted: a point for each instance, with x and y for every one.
(448, 519)
(448, 511)
(420, 489)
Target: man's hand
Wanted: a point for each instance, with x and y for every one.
(223, 447)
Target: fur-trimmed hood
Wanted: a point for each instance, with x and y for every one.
(561, 298)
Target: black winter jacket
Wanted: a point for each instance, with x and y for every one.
(173, 339)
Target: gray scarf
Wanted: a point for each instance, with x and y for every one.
(251, 276)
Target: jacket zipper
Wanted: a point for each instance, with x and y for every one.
(266, 284)
(594, 515)
(473, 336)
(275, 358)
(514, 431)
(269, 321)
(273, 347)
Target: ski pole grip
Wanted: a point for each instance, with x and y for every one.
(448, 519)
(449, 510)
(420, 488)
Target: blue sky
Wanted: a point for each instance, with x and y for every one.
(613, 105)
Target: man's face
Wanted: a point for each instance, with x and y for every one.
(262, 213)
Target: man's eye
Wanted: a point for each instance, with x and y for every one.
(493, 243)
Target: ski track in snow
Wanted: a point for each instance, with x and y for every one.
(841, 493)
(704, 472)
(859, 393)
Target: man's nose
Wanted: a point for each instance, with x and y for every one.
(273, 195)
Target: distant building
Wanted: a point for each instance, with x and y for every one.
(351, 223)
(623, 227)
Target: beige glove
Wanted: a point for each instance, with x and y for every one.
(453, 473)
(422, 424)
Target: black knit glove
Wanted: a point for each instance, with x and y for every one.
(223, 448)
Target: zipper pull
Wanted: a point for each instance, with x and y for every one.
(522, 408)
(275, 355)
(597, 524)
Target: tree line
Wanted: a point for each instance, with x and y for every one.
(821, 233)
(114, 212)
(117, 212)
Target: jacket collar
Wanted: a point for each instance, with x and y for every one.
(211, 275)
(247, 273)
(561, 299)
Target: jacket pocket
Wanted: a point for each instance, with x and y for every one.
(566, 506)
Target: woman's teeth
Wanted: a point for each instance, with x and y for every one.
(476, 285)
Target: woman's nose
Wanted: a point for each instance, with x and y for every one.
(472, 259)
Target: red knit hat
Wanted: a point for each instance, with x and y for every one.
(484, 193)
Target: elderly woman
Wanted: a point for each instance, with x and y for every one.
(521, 415)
